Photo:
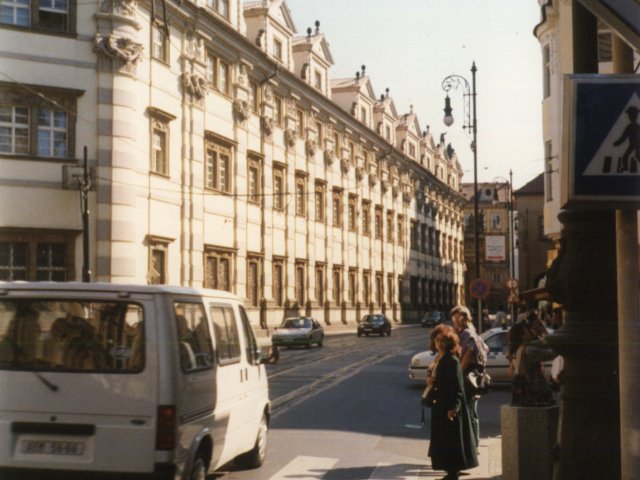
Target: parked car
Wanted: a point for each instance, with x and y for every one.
(374, 323)
(298, 331)
(497, 339)
(111, 379)
(432, 318)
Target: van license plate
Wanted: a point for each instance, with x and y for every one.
(52, 447)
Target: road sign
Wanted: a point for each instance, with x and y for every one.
(513, 298)
(512, 283)
(602, 146)
(480, 288)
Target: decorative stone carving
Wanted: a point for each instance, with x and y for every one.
(126, 8)
(241, 110)
(359, 173)
(194, 84)
(242, 75)
(395, 191)
(328, 156)
(310, 147)
(384, 185)
(345, 164)
(194, 48)
(266, 123)
(121, 53)
(406, 196)
(290, 137)
(268, 93)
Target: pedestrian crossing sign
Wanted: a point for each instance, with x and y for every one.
(601, 140)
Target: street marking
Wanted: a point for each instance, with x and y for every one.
(306, 468)
(386, 471)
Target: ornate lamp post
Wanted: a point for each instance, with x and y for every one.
(456, 81)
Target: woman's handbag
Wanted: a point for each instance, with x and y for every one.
(477, 383)
(429, 396)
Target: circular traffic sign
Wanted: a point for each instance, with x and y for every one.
(512, 283)
(480, 288)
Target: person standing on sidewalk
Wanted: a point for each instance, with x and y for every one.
(452, 447)
(473, 357)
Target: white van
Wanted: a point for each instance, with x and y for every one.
(127, 380)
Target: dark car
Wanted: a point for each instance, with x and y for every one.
(374, 323)
(432, 318)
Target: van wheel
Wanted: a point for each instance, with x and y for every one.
(256, 456)
(199, 469)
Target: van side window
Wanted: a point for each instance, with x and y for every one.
(194, 337)
(226, 333)
(250, 339)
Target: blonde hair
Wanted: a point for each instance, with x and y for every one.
(465, 313)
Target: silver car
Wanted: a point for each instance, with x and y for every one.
(497, 339)
(298, 331)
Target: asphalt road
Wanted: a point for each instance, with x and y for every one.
(347, 411)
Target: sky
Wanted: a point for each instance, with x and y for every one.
(410, 46)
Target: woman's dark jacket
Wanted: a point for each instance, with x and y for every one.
(453, 446)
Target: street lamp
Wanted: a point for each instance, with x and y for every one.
(456, 81)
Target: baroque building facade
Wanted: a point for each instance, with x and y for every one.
(221, 154)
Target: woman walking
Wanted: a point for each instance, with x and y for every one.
(473, 357)
(452, 447)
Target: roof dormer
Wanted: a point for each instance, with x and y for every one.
(312, 59)
(270, 25)
(356, 96)
(385, 117)
(408, 135)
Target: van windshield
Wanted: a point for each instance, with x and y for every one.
(71, 335)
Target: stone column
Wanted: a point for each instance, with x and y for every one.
(583, 280)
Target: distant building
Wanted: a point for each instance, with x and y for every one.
(222, 154)
(533, 244)
(494, 235)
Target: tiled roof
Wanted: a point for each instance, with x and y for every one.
(535, 186)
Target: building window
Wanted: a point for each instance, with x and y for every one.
(352, 153)
(319, 201)
(253, 281)
(158, 253)
(496, 278)
(218, 266)
(390, 226)
(337, 285)
(400, 230)
(47, 15)
(353, 213)
(546, 68)
(218, 72)
(254, 97)
(337, 208)
(320, 284)
(378, 222)
(37, 121)
(159, 146)
(254, 176)
(317, 83)
(278, 282)
(300, 116)
(300, 283)
(548, 171)
(363, 115)
(390, 289)
(387, 133)
(319, 134)
(37, 255)
(277, 49)
(301, 195)
(352, 287)
(219, 6)
(217, 166)
(431, 242)
(278, 111)
(160, 42)
(379, 290)
(496, 221)
(366, 288)
(366, 218)
(336, 144)
(415, 232)
(605, 41)
(278, 188)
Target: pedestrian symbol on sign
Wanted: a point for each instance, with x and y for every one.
(619, 154)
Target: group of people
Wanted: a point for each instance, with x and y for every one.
(455, 427)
